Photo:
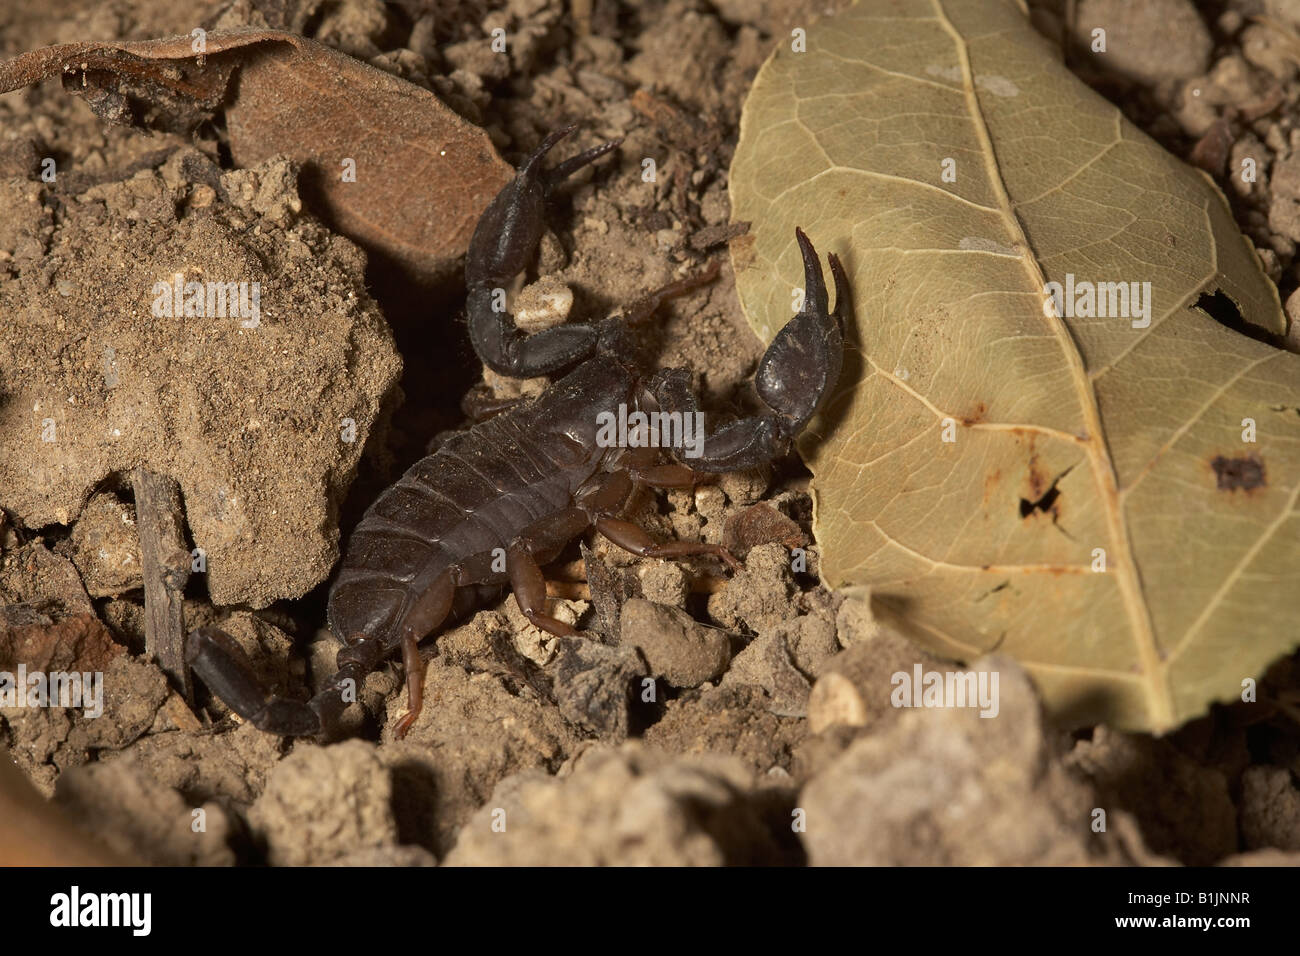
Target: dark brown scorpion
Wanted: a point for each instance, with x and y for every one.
(521, 485)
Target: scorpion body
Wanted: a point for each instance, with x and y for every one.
(494, 503)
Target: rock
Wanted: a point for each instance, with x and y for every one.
(228, 766)
(680, 53)
(948, 787)
(766, 662)
(1284, 206)
(736, 719)
(134, 690)
(664, 582)
(473, 732)
(1193, 110)
(260, 410)
(812, 640)
(477, 58)
(742, 488)
(119, 803)
(105, 547)
(1230, 82)
(542, 304)
(759, 594)
(78, 642)
(354, 26)
(1183, 808)
(592, 683)
(120, 703)
(677, 648)
(324, 803)
(1270, 809)
(626, 807)
(531, 641)
(1268, 49)
(856, 685)
(1135, 31)
(1284, 11)
(854, 621)
(34, 575)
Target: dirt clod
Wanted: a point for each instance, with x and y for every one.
(121, 804)
(676, 646)
(626, 807)
(907, 795)
(323, 803)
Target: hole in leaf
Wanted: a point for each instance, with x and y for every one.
(1044, 503)
(1048, 503)
(1219, 306)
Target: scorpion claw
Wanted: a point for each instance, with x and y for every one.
(503, 242)
(802, 364)
(794, 378)
(561, 171)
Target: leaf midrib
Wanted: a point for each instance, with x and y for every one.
(1100, 462)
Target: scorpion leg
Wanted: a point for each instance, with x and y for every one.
(632, 537)
(529, 585)
(526, 579)
(504, 240)
(665, 476)
(428, 612)
(796, 375)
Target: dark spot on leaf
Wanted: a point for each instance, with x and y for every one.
(977, 415)
(994, 590)
(1246, 473)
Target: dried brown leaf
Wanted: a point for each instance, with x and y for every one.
(423, 174)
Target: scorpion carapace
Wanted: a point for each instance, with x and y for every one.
(494, 503)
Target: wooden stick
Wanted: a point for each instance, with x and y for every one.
(166, 566)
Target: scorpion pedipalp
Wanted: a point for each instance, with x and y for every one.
(794, 379)
(503, 242)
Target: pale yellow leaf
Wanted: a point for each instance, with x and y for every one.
(1137, 429)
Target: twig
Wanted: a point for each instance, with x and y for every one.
(166, 567)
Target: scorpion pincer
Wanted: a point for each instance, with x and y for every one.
(529, 480)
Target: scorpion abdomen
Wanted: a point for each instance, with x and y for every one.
(458, 510)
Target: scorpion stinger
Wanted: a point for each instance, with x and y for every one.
(503, 242)
(794, 379)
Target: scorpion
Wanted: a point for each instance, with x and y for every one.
(533, 477)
